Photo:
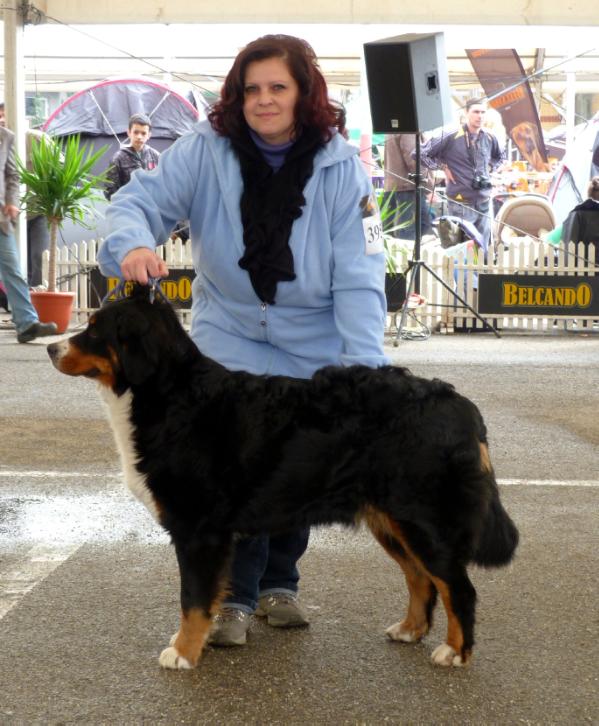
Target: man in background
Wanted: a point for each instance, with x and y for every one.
(16, 290)
(38, 234)
(467, 157)
(400, 188)
(136, 154)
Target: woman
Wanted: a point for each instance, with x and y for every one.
(582, 224)
(290, 271)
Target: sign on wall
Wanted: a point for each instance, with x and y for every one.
(176, 287)
(538, 295)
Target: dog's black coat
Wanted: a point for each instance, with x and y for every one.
(229, 453)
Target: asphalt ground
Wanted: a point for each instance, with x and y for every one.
(89, 585)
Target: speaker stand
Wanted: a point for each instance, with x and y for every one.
(415, 267)
(417, 264)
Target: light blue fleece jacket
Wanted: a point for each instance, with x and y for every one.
(332, 313)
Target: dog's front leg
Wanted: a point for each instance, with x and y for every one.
(202, 567)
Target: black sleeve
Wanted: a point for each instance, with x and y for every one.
(571, 228)
(113, 176)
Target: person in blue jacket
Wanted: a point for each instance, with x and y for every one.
(288, 254)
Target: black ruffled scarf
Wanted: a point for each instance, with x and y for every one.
(270, 203)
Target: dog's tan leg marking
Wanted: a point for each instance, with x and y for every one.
(416, 623)
(450, 652)
(188, 642)
(187, 645)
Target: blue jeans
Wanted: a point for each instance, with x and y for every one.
(477, 212)
(265, 564)
(17, 292)
(38, 240)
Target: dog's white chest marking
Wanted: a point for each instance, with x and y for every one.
(119, 409)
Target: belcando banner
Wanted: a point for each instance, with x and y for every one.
(499, 70)
(176, 287)
(538, 295)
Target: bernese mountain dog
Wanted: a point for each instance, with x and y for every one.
(216, 455)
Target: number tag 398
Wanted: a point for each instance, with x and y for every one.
(373, 233)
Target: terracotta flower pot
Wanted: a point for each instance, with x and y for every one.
(54, 307)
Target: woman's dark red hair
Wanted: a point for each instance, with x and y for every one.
(314, 109)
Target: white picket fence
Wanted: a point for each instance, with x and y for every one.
(442, 309)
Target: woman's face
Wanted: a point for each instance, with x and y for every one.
(270, 97)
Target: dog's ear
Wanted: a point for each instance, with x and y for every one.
(138, 350)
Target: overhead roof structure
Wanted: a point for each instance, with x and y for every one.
(506, 12)
(65, 58)
(184, 38)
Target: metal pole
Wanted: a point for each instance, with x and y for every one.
(14, 100)
(417, 212)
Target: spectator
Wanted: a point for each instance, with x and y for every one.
(137, 154)
(289, 277)
(38, 234)
(16, 290)
(399, 185)
(467, 156)
(582, 224)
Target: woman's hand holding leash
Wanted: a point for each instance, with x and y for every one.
(142, 263)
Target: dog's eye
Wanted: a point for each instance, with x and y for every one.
(92, 332)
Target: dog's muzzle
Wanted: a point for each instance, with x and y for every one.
(56, 351)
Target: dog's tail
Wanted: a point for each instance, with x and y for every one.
(499, 536)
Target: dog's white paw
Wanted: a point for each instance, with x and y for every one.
(445, 655)
(400, 632)
(170, 658)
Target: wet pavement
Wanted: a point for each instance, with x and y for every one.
(89, 586)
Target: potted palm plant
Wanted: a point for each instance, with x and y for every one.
(60, 186)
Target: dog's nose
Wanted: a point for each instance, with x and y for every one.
(52, 350)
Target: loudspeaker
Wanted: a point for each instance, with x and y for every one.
(408, 83)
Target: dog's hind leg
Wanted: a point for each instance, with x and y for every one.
(202, 568)
(459, 599)
(422, 592)
(450, 580)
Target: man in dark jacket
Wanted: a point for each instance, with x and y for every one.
(467, 157)
(582, 224)
(134, 155)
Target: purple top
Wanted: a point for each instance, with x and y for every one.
(273, 153)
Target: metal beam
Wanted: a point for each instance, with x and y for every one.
(458, 12)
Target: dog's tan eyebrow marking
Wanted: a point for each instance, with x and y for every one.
(485, 459)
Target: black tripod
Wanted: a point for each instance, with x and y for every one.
(416, 263)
